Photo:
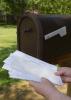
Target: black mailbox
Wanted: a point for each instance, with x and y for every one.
(31, 32)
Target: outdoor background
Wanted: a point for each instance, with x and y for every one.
(10, 12)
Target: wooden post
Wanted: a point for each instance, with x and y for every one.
(69, 90)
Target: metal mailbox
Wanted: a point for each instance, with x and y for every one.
(44, 36)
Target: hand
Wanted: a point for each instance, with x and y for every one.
(65, 73)
(45, 88)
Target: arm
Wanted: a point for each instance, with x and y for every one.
(47, 89)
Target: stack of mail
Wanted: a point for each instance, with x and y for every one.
(26, 67)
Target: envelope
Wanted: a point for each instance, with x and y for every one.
(23, 66)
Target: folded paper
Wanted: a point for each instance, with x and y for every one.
(24, 66)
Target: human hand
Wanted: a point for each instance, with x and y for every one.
(45, 88)
(65, 74)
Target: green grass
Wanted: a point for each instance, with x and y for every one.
(7, 45)
(7, 36)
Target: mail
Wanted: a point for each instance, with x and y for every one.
(23, 66)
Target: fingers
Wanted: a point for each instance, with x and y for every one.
(66, 79)
(39, 87)
(64, 71)
(44, 82)
(47, 82)
(34, 83)
(45, 87)
(61, 71)
(65, 74)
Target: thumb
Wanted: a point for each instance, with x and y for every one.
(59, 73)
(66, 79)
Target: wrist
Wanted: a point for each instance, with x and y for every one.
(51, 94)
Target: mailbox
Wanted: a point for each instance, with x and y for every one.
(46, 37)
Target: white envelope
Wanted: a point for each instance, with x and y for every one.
(24, 66)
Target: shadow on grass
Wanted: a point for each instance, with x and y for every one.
(7, 25)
